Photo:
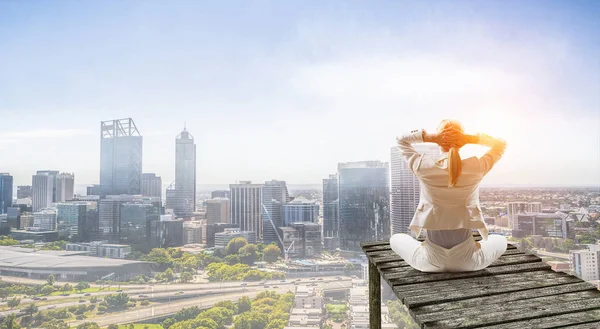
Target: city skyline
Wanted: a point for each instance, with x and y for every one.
(358, 77)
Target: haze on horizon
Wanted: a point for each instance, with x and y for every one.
(286, 90)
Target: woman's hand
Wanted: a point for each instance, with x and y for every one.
(448, 137)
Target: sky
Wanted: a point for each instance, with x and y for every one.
(288, 89)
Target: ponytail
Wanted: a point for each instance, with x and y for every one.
(454, 166)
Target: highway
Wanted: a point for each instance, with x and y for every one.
(190, 292)
(163, 310)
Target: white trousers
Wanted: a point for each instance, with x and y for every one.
(467, 256)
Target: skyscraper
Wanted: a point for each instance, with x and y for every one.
(120, 157)
(274, 196)
(6, 191)
(184, 204)
(151, 185)
(45, 220)
(363, 203)
(405, 187)
(42, 187)
(246, 207)
(65, 186)
(54, 175)
(330, 207)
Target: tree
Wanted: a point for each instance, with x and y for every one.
(277, 324)
(113, 326)
(271, 253)
(250, 320)
(82, 286)
(248, 254)
(160, 256)
(232, 259)
(66, 288)
(131, 326)
(186, 277)
(235, 245)
(55, 324)
(10, 322)
(5, 240)
(4, 293)
(169, 275)
(46, 289)
(116, 301)
(168, 322)
(187, 313)
(220, 315)
(31, 309)
(88, 325)
(349, 267)
(14, 302)
(244, 304)
(227, 304)
(50, 279)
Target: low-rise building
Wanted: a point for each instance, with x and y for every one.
(101, 249)
(35, 235)
(223, 238)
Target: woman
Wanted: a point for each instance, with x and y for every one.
(449, 203)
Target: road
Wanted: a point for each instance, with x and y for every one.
(162, 310)
(192, 291)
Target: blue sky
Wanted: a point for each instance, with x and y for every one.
(287, 89)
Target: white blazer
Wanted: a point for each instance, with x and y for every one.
(449, 208)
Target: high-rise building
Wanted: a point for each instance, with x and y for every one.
(405, 192)
(13, 216)
(552, 225)
(330, 207)
(586, 263)
(167, 232)
(219, 194)
(70, 217)
(184, 203)
(217, 211)
(65, 186)
(6, 192)
(363, 203)
(246, 207)
(45, 220)
(125, 218)
(23, 191)
(516, 208)
(120, 157)
(274, 196)
(54, 175)
(300, 211)
(151, 185)
(42, 186)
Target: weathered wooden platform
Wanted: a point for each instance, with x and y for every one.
(517, 291)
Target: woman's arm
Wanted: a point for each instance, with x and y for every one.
(408, 151)
(497, 148)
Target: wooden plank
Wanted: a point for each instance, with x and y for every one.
(502, 298)
(494, 280)
(465, 293)
(374, 297)
(412, 276)
(374, 243)
(591, 325)
(492, 317)
(516, 306)
(554, 321)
